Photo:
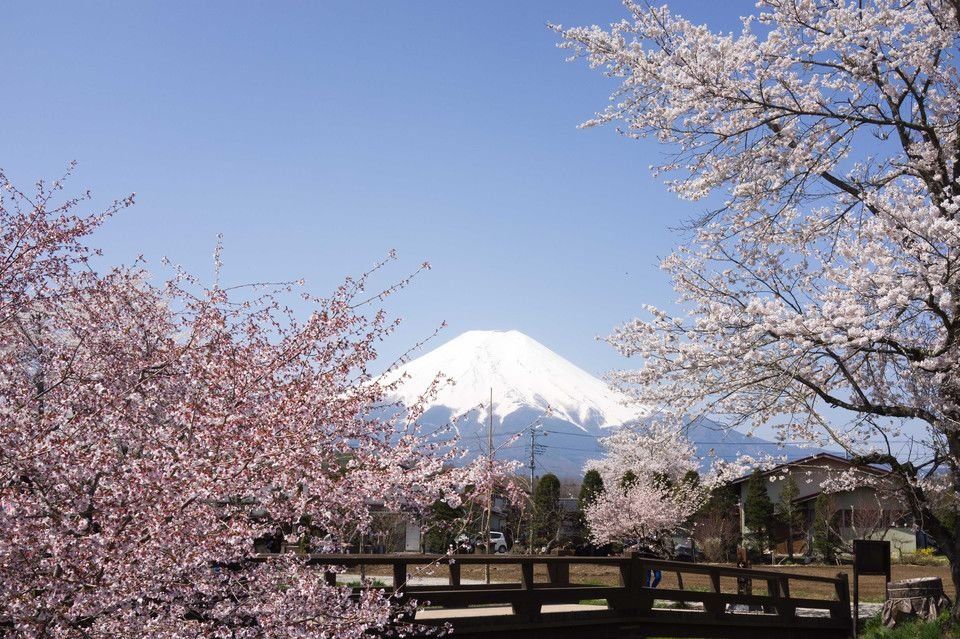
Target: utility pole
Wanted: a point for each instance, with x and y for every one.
(534, 449)
(486, 532)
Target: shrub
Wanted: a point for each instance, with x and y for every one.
(916, 629)
(923, 557)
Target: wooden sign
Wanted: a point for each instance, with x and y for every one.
(870, 557)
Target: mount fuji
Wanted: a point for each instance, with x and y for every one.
(532, 384)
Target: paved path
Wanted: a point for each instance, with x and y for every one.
(866, 610)
(353, 578)
(495, 611)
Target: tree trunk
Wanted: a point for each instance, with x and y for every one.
(790, 542)
(955, 578)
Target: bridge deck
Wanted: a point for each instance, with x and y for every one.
(532, 608)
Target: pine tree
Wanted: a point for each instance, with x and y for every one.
(758, 512)
(717, 522)
(590, 487)
(546, 508)
(442, 527)
(787, 512)
(824, 538)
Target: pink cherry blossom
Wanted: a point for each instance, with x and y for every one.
(151, 430)
(819, 291)
(658, 496)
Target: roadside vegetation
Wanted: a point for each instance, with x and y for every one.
(917, 629)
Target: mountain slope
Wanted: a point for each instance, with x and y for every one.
(524, 375)
(528, 380)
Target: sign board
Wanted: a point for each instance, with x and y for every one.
(412, 537)
(870, 557)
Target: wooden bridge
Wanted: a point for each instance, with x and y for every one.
(537, 604)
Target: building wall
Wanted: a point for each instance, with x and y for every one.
(862, 510)
(412, 540)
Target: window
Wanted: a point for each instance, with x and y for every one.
(846, 518)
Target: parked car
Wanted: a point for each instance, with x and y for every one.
(498, 542)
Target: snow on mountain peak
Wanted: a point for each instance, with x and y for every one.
(523, 373)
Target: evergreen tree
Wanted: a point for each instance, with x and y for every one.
(825, 540)
(590, 487)
(758, 513)
(717, 522)
(442, 526)
(546, 509)
(788, 513)
(723, 497)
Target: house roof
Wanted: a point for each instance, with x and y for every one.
(810, 459)
(808, 498)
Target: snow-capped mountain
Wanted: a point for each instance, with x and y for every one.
(524, 375)
(533, 384)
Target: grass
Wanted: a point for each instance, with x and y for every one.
(916, 629)
(369, 583)
(593, 602)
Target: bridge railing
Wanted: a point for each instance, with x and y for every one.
(631, 597)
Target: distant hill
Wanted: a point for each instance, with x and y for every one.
(528, 379)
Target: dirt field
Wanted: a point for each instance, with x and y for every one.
(871, 588)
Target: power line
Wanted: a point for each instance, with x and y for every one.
(747, 442)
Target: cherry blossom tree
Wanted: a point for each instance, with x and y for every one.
(151, 431)
(646, 472)
(820, 291)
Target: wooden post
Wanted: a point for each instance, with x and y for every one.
(526, 574)
(454, 573)
(744, 584)
(715, 607)
(626, 569)
(634, 597)
(399, 574)
(529, 610)
(559, 573)
(786, 609)
(773, 590)
(843, 596)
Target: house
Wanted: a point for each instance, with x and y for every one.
(871, 510)
(500, 514)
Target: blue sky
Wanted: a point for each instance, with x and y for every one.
(317, 136)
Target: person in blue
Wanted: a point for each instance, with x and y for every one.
(653, 575)
(656, 577)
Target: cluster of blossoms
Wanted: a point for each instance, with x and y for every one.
(150, 432)
(651, 484)
(822, 293)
